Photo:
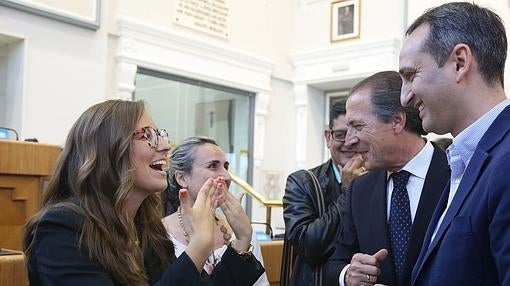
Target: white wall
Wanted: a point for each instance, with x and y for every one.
(64, 72)
(379, 20)
(259, 27)
(501, 7)
(280, 150)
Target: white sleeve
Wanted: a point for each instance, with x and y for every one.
(341, 278)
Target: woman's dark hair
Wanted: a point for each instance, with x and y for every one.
(93, 177)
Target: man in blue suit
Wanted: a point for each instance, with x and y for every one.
(452, 64)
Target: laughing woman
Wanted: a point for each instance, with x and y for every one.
(192, 163)
(100, 220)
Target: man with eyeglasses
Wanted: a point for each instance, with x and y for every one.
(312, 220)
(388, 208)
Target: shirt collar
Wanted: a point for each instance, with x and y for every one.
(419, 165)
(464, 145)
(338, 175)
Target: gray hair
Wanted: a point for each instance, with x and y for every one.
(181, 159)
(385, 90)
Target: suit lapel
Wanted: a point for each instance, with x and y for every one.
(378, 206)
(466, 185)
(441, 205)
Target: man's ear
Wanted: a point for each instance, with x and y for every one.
(327, 136)
(462, 59)
(399, 122)
(180, 177)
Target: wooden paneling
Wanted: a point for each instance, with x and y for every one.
(24, 167)
(272, 252)
(27, 158)
(20, 198)
(13, 271)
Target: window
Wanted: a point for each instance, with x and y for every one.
(187, 107)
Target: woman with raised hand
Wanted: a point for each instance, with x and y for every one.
(100, 221)
(192, 163)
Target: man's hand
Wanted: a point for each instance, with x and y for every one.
(352, 169)
(364, 268)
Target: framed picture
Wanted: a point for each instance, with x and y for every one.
(344, 19)
(83, 13)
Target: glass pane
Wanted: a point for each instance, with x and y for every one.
(186, 107)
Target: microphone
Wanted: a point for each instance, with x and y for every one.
(4, 130)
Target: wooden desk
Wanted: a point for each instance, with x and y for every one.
(272, 253)
(13, 270)
(24, 168)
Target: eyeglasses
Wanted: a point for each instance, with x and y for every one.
(151, 135)
(338, 135)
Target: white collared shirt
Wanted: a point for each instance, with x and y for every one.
(418, 167)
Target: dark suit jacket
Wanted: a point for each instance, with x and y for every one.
(472, 246)
(56, 259)
(364, 225)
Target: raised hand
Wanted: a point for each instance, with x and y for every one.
(198, 222)
(352, 169)
(364, 268)
(236, 217)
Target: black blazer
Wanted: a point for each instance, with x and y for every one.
(56, 259)
(364, 224)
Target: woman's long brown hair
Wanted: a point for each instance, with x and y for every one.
(93, 177)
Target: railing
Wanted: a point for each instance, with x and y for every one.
(256, 195)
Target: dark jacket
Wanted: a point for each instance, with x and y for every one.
(56, 259)
(312, 236)
(365, 227)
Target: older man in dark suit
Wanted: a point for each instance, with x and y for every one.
(390, 207)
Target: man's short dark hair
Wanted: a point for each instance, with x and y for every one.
(385, 90)
(336, 110)
(479, 28)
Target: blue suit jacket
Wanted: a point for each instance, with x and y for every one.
(472, 246)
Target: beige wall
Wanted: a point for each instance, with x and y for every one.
(379, 20)
(258, 27)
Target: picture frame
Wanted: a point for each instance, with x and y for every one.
(345, 19)
(83, 13)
